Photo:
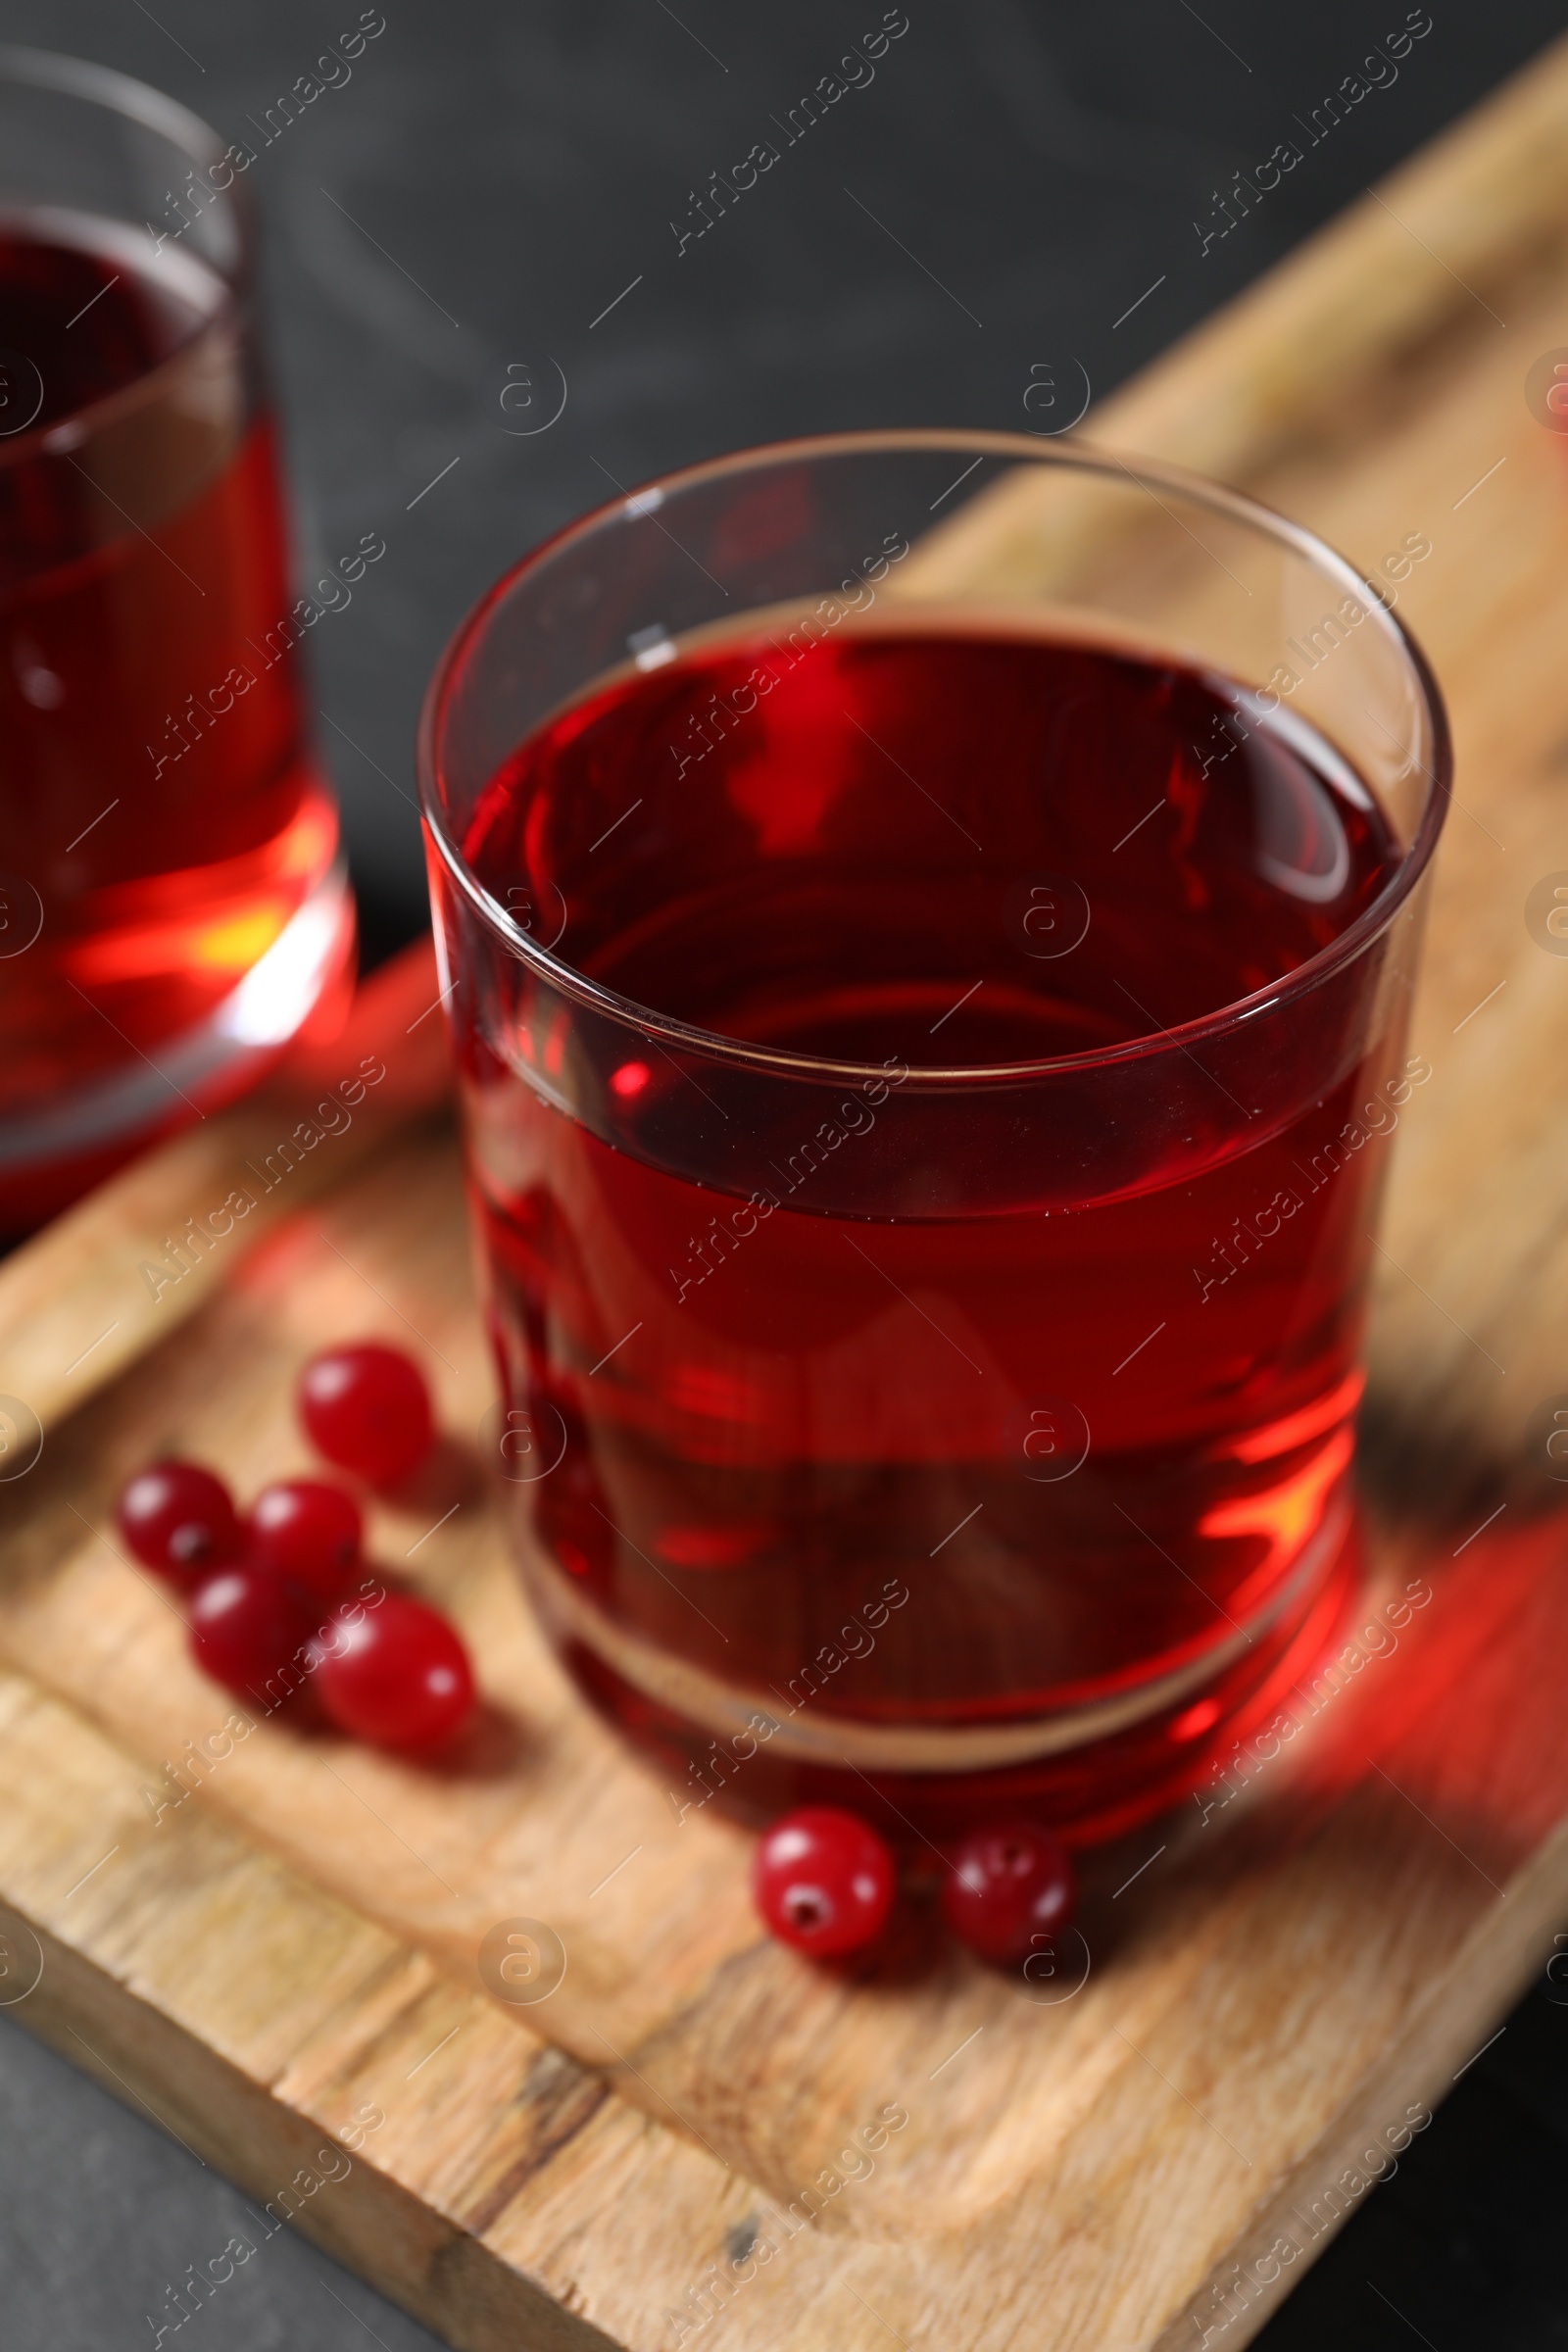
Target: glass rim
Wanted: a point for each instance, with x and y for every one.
(1067, 450)
(138, 102)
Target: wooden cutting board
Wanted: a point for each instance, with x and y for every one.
(695, 2137)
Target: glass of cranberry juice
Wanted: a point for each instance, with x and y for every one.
(928, 922)
(172, 905)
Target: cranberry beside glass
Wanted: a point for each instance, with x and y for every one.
(823, 1882)
(180, 1519)
(930, 920)
(304, 1529)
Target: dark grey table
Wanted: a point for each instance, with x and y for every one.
(489, 201)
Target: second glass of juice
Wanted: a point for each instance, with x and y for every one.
(173, 902)
(929, 923)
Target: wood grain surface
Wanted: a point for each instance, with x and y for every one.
(696, 2137)
(1309, 1953)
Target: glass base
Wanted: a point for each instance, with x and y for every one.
(303, 982)
(1091, 1780)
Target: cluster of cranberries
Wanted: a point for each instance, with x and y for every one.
(824, 1880)
(279, 1600)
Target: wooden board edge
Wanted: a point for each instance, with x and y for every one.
(438, 2271)
(1378, 280)
(1504, 1951)
(1288, 360)
(264, 2022)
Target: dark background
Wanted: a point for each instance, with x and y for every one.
(492, 176)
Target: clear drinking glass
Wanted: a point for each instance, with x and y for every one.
(928, 921)
(172, 905)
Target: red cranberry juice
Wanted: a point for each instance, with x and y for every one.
(162, 819)
(955, 1471)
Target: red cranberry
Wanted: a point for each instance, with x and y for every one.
(177, 1517)
(1009, 1882)
(246, 1627)
(822, 1881)
(396, 1674)
(302, 1527)
(368, 1409)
